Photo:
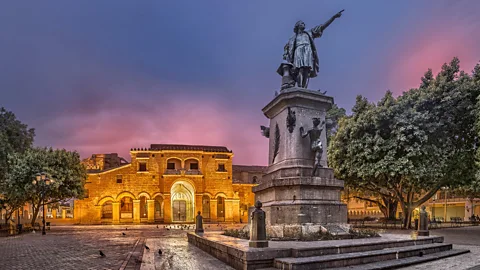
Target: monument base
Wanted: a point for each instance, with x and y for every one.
(423, 233)
(298, 205)
(307, 232)
(258, 244)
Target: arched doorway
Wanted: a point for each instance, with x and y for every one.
(183, 202)
(220, 208)
(126, 208)
(107, 210)
(206, 207)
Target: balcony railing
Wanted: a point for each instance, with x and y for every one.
(182, 172)
(173, 172)
(193, 172)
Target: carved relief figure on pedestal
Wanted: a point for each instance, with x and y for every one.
(276, 142)
(291, 119)
(265, 131)
(300, 58)
(315, 141)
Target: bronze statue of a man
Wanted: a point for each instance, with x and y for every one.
(300, 58)
(315, 142)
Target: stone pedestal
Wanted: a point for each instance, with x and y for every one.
(295, 202)
(423, 226)
(199, 223)
(258, 232)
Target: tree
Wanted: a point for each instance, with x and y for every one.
(333, 116)
(61, 165)
(406, 148)
(15, 137)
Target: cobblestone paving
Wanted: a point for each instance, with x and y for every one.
(77, 247)
(462, 238)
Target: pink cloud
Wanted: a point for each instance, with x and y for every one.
(119, 123)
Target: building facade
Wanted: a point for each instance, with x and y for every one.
(167, 184)
(445, 205)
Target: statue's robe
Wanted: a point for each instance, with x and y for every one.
(304, 55)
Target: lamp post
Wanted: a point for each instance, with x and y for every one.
(42, 180)
(446, 201)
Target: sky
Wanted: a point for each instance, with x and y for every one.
(106, 76)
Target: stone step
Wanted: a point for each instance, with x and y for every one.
(356, 258)
(359, 247)
(393, 264)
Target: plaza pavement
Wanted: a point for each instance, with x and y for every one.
(77, 247)
(461, 238)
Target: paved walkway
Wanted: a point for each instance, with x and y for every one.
(462, 238)
(77, 247)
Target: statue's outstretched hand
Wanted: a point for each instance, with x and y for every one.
(339, 14)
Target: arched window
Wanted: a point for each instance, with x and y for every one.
(254, 179)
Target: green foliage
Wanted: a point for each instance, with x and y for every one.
(406, 148)
(15, 137)
(61, 165)
(332, 118)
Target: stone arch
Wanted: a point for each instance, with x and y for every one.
(175, 160)
(190, 160)
(144, 193)
(220, 194)
(157, 194)
(125, 194)
(105, 199)
(182, 201)
(208, 194)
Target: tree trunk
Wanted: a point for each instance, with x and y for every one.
(407, 222)
(390, 207)
(36, 210)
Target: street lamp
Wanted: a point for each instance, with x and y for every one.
(42, 180)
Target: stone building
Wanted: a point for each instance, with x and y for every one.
(166, 184)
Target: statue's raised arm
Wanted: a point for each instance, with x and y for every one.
(300, 58)
(317, 30)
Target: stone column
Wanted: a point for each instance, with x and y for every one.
(54, 213)
(136, 211)
(116, 212)
(167, 209)
(64, 214)
(258, 230)
(236, 210)
(213, 210)
(228, 210)
(151, 210)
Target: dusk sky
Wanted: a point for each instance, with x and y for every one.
(107, 76)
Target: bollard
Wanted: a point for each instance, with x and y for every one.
(199, 223)
(258, 229)
(423, 226)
